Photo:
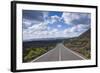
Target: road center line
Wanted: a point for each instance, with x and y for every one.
(59, 54)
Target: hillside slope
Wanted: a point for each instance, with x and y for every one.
(80, 44)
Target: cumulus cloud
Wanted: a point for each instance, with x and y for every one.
(28, 23)
(31, 17)
(54, 19)
(39, 24)
(35, 31)
(38, 27)
(76, 30)
(39, 32)
(76, 18)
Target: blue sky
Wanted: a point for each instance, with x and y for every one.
(52, 24)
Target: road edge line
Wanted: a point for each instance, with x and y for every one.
(75, 53)
(43, 55)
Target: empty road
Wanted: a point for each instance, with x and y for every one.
(59, 53)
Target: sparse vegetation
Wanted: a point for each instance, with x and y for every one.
(80, 44)
(34, 49)
(31, 53)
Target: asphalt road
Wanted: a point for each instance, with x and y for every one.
(59, 53)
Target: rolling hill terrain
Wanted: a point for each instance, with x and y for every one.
(80, 44)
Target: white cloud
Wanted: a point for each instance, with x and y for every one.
(76, 18)
(75, 30)
(53, 31)
(50, 19)
(35, 31)
(68, 17)
(38, 30)
(81, 27)
(38, 27)
(45, 15)
(59, 26)
(26, 22)
(54, 19)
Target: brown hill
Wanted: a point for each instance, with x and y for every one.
(80, 44)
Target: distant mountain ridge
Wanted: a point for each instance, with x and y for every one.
(86, 34)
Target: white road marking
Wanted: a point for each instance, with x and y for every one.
(74, 53)
(43, 55)
(59, 54)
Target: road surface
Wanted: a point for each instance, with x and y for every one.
(59, 53)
